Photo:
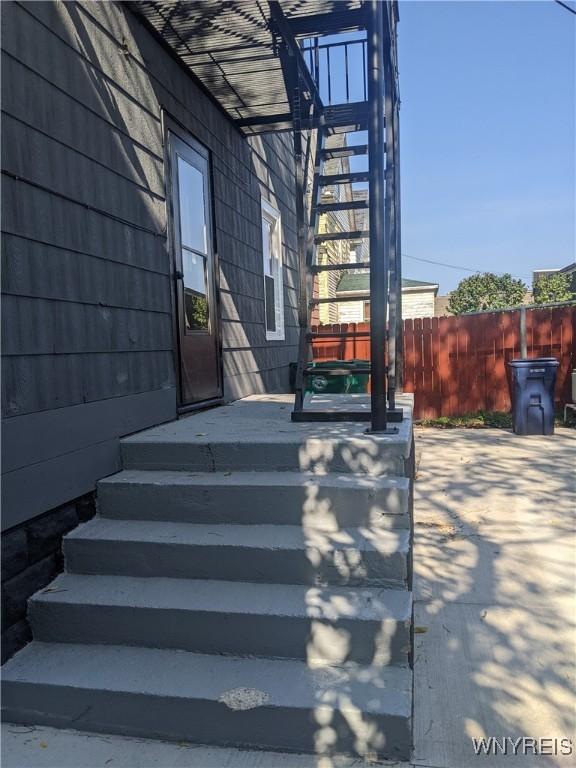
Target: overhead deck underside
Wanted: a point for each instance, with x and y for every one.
(232, 48)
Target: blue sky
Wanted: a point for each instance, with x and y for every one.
(487, 137)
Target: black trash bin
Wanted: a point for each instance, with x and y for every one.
(532, 392)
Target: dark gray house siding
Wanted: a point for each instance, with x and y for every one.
(87, 307)
(87, 311)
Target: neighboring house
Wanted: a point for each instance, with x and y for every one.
(441, 306)
(570, 270)
(334, 251)
(341, 251)
(361, 224)
(417, 298)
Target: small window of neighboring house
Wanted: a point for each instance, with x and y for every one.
(273, 277)
(366, 311)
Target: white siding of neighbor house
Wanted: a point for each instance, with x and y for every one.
(351, 311)
(414, 304)
(417, 304)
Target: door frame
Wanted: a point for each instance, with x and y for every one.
(172, 125)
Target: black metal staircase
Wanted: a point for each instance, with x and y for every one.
(378, 111)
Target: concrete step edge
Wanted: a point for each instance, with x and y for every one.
(246, 479)
(175, 695)
(109, 667)
(260, 498)
(327, 623)
(285, 554)
(248, 536)
(318, 454)
(230, 597)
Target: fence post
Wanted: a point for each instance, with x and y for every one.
(523, 343)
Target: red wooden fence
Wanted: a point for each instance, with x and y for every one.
(457, 365)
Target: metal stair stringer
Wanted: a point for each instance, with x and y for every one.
(305, 311)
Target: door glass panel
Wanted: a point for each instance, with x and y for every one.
(194, 271)
(192, 206)
(195, 291)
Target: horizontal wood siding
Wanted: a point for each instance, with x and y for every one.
(87, 305)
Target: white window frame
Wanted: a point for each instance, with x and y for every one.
(272, 216)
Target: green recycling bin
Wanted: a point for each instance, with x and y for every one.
(323, 381)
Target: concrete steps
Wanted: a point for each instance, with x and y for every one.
(243, 619)
(254, 553)
(262, 703)
(328, 502)
(245, 584)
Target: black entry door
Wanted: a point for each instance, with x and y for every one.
(193, 247)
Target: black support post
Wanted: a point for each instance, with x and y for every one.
(395, 327)
(302, 300)
(398, 232)
(391, 211)
(378, 240)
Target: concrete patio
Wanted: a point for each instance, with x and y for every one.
(495, 574)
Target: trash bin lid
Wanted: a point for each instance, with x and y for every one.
(549, 362)
(348, 364)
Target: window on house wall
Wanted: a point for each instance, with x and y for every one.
(273, 276)
(366, 311)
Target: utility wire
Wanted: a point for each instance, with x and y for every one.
(565, 6)
(455, 266)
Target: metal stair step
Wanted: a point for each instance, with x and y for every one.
(350, 151)
(227, 617)
(335, 300)
(343, 178)
(339, 267)
(181, 696)
(357, 234)
(347, 117)
(288, 554)
(347, 205)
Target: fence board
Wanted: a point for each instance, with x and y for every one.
(457, 365)
(409, 356)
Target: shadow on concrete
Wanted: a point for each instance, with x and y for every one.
(495, 576)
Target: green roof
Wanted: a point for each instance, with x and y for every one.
(359, 282)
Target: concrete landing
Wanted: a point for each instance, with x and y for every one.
(256, 433)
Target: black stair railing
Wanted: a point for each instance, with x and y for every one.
(334, 69)
(377, 113)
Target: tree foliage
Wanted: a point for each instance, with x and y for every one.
(550, 287)
(486, 291)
